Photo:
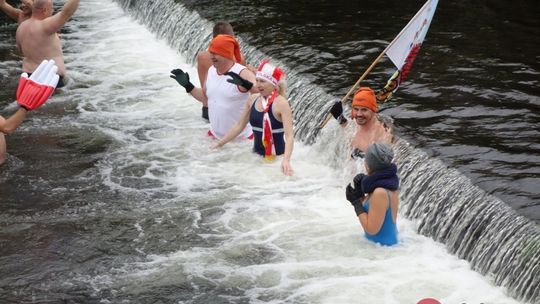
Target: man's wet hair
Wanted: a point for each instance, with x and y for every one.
(222, 28)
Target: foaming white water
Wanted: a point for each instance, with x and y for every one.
(268, 238)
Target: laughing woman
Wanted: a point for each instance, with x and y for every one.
(270, 116)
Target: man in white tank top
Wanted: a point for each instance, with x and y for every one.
(227, 87)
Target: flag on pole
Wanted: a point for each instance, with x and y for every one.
(403, 49)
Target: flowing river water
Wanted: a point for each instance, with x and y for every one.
(111, 194)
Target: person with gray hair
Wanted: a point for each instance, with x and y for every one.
(375, 196)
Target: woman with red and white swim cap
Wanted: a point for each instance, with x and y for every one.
(270, 117)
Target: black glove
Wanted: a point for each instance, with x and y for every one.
(205, 113)
(337, 112)
(355, 196)
(357, 182)
(359, 208)
(183, 79)
(237, 80)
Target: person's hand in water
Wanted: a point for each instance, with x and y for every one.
(286, 168)
(216, 146)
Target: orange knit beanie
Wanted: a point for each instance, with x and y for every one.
(365, 97)
(226, 46)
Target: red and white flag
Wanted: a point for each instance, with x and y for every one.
(403, 49)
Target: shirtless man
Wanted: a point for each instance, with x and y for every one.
(37, 38)
(19, 15)
(369, 128)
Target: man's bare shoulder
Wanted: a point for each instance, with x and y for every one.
(204, 56)
(24, 25)
(247, 73)
(31, 24)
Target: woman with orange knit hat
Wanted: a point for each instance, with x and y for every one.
(369, 127)
(225, 96)
(270, 117)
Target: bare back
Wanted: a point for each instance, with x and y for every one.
(36, 44)
(204, 62)
(37, 37)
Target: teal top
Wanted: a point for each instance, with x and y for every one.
(388, 233)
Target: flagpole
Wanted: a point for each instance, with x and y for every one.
(329, 116)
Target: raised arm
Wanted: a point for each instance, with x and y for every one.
(10, 11)
(248, 75)
(183, 79)
(199, 94)
(54, 23)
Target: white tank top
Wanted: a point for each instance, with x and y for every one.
(225, 102)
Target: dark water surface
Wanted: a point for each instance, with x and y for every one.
(70, 232)
(472, 98)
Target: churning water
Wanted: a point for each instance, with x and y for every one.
(145, 212)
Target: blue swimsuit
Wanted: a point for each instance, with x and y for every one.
(388, 233)
(256, 122)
